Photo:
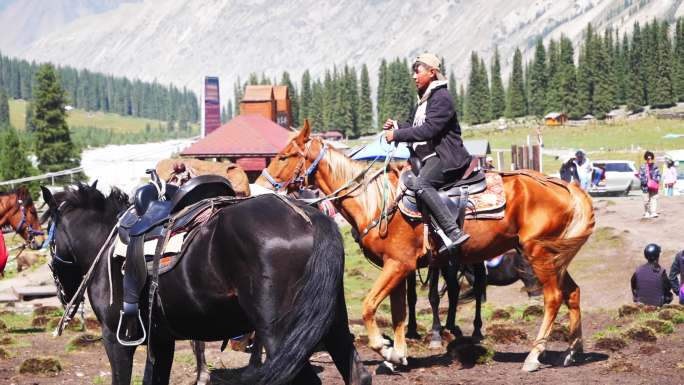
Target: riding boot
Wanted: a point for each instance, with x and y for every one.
(444, 218)
(131, 329)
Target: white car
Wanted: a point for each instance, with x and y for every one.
(621, 176)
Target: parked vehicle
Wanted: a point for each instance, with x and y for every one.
(620, 177)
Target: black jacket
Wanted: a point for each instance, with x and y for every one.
(441, 129)
(677, 273)
(650, 285)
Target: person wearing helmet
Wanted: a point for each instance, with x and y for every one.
(583, 168)
(435, 137)
(650, 284)
(677, 276)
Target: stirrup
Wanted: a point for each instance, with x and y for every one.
(130, 343)
(449, 246)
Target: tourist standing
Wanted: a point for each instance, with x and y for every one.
(650, 183)
(669, 177)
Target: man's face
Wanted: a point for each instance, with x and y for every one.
(423, 76)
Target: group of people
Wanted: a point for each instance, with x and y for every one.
(651, 285)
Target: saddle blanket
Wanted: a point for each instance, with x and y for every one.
(489, 204)
(169, 255)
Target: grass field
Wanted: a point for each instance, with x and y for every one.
(81, 118)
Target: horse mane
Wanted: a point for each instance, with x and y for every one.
(344, 169)
(85, 197)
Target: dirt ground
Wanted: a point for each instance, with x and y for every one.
(602, 270)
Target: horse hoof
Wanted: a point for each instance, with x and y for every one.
(413, 335)
(532, 366)
(392, 355)
(569, 359)
(385, 368)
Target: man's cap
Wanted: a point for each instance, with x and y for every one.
(431, 60)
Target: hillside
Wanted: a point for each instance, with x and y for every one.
(182, 40)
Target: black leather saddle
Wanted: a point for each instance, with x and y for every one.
(150, 212)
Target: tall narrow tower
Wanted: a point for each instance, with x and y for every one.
(211, 105)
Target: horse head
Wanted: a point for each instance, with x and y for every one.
(24, 219)
(71, 248)
(291, 168)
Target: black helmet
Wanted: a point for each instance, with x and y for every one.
(652, 252)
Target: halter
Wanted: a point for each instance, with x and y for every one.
(298, 177)
(23, 222)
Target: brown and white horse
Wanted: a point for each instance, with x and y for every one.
(17, 210)
(546, 218)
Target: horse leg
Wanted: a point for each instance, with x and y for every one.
(571, 297)
(433, 295)
(480, 287)
(552, 301)
(453, 292)
(120, 358)
(412, 298)
(393, 272)
(339, 343)
(306, 376)
(399, 351)
(202, 369)
(163, 346)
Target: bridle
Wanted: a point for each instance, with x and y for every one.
(300, 177)
(56, 260)
(32, 233)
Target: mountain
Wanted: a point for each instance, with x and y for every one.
(181, 41)
(23, 21)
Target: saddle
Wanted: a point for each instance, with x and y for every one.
(478, 194)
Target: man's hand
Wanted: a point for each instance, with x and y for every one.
(389, 124)
(389, 136)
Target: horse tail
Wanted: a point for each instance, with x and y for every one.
(576, 233)
(314, 305)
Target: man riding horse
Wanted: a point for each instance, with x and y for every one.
(436, 140)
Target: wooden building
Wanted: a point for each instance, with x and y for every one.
(555, 119)
(271, 102)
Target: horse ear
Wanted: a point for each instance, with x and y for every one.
(48, 198)
(304, 134)
(94, 185)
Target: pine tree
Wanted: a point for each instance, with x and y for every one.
(678, 61)
(498, 93)
(13, 161)
(4, 108)
(316, 116)
(515, 99)
(53, 146)
(365, 112)
(622, 70)
(553, 92)
(28, 122)
(238, 93)
(453, 90)
(478, 101)
(292, 94)
(538, 80)
(603, 81)
(636, 95)
(663, 92)
(229, 110)
(567, 85)
(381, 98)
(328, 100)
(460, 109)
(305, 97)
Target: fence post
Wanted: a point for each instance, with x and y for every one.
(536, 155)
(525, 157)
(500, 160)
(514, 157)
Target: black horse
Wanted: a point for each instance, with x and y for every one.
(511, 268)
(256, 265)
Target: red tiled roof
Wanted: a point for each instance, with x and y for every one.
(244, 135)
(251, 164)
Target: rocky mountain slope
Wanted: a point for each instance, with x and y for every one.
(180, 41)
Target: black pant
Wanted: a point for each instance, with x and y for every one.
(430, 178)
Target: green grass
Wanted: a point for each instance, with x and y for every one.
(16, 321)
(625, 135)
(82, 118)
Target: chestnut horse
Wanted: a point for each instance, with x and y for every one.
(546, 218)
(17, 211)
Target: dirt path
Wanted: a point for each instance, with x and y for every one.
(602, 269)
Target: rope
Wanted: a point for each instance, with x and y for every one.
(69, 311)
